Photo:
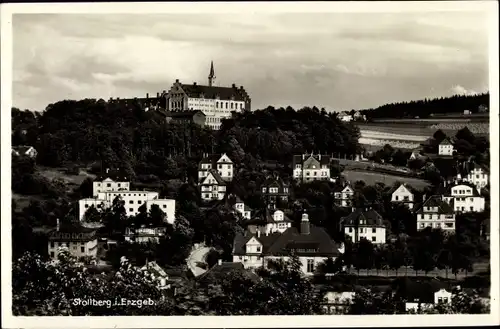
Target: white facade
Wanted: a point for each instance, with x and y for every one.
(446, 148)
(464, 199)
(224, 166)
(374, 234)
(75, 248)
(315, 172)
(478, 177)
(344, 198)
(404, 195)
(133, 200)
(240, 207)
(215, 110)
(109, 185)
(345, 117)
(211, 189)
(279, 225)
(430, 216)
(442, 296)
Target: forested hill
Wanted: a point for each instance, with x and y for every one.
(92, 131)
(424, 108)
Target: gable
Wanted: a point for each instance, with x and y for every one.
(224, 158)
(253, 241)
(208, 178)
(347, 189)
(402, 190)
(311, 163)
(108, 180)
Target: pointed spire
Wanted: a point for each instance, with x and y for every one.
(211, 76)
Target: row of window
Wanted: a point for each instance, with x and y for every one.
(464, 199)
(435, 216)
(228, 105)
(405, 198)
(109, 184)
(463, 208)
(437, 225)
(363, 230)
(207, 195)
(467, 191)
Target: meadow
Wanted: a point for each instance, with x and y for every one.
(370, 178)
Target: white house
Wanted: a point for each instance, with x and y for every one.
(475, 174)
(79, 241)
(436, 213)
(217, 103)
(402, 194)
(426, 297)
(276, 222)
(366, 224)
(242, 208)
(466, 198)
(309, 167)
(446, 147)
(344, 116)
(110, 182)
(144, 234)
(28, 151)
(337, 302)
(212, 186)
(311, 244)
(359, 116)
(344, 196)
(221, 164)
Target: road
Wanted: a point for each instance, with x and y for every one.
(197, 255)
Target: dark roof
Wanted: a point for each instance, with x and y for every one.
(446, 141)
(436, 201)
(371, 218)
(307, 159)
(116, 175)
(220, 271)
(181, 114)
(274, 181)
(217, 177)
(212, 159)
(22, 149)
(72, 231)
(340, 188)
(277, 244)
(213, 92)
(419, 291)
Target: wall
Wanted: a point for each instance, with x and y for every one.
(74, 248)
(108, 186)
(435, 220)
(478, 178)
(367, 232)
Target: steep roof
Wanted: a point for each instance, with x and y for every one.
(436, 201)
(72, 231)
(22, 149)
(213, 92)
(217, 177)
(446, 141)
(220, 272)
(302, 159)
(116, 175)
(277, 244)
(395, 188)
(370, 218)
(272, 181)
(212, 159)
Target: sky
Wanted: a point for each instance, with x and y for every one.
(339, 61)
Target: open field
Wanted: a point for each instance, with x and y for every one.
(23, 201)
(59, 173)
(370, 178)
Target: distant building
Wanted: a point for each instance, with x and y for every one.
(337, 302)
(241, 207)
(214, 172)
(473, 173)
(310, 243)
(403, 194)
(420, 295)
(344, 196)
(464, 197)
(366, 224)
(79, 241)
(217, 103)
(345, 116)
(144, 234)
(27, 151)
(213, 186)
(446, 147)
(197, 117)
(483, 109)
(467, 112)
(358, 116)
(274, 189)
(146, 103)
(270, 222)
(111, 181)
(435, 213)
(310, 167)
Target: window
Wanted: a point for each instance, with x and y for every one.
(374, 239)
(396, 198)
(82, 249)
(310, 265)
(99, 184)
(374, 230)
(226, 105)
(131, 202)
(350, 229)
(216, 104)
(258, 249)
(52, 254)
(164, 206)
(86, 206)
(119, 185)
(139, 201)
(422, 225)
(108, 185)
(263, 190)
(231, 106)
(52, 244)
(131, 209)
(471, 208)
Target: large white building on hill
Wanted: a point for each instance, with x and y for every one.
(215, 102)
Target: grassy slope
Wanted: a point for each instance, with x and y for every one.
(370, 178)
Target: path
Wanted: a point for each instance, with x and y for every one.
(197, 255)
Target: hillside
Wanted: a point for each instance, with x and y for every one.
(427, 107)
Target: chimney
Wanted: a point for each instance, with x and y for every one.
(107, 170)
(157, 95)
(194, 83)
(234, 85)
(219, 262)
(147, 95)
(58, 225)
(304, 224)
(258, 233)
(176, 80)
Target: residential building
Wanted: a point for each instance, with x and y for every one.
(358, 116)
(212, 186)
(271, 222)
(435, 213)
(110, 181)
(310, 167)
(403, 194)
(146, 103)
(80, 241)
(446, 147)
(482, 109)
(158, 275)
(144, 234)
(467, 112)
(221, 164)
(345, 116)
(473, 173)
(310, 243)
(217, 103)
(275, 191)
(464, 197)
(366, 224)
(197, 117)
(27, 151)
(420, 295)
(343, 196)
(220, 272)
(338, 301)
(241, 207)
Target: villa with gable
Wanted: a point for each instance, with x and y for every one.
(310, 167)
(402, 194)
(214, 172)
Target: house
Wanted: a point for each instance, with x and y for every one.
(366, 224)
(446, 147)
(311, 244)
(343, 196)
(27, 151)
(435, 213)
(358, 116)
(345, 116)
(473, 173)
(144, 234)
(133, 200)
(275, 191)
(213, 186)
(271, 223)
(72, 236)
(310, 167)
(217, 103)
(146, 103)
(338, 301)
(464, 197)
(403, 194)
(467, 112)
(158, 275)
(416, 153)
(197, 117)
(110, 181)
(221, 164)
(419, 295)
(221, 270)
(483, 109)
(241, 207)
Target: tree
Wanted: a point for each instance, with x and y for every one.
(92, 215)
(366, 301)
(439, 136)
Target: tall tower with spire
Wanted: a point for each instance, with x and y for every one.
(211, 76)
